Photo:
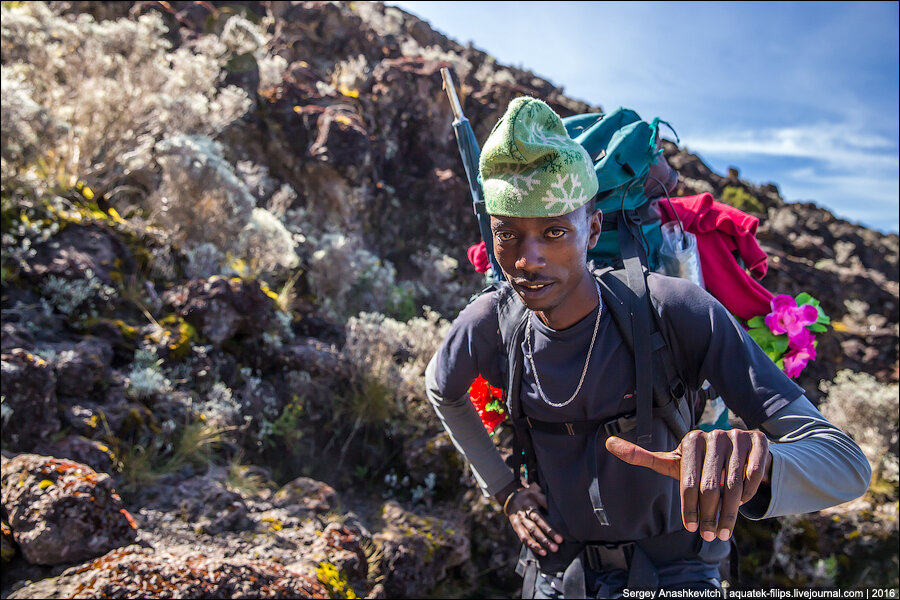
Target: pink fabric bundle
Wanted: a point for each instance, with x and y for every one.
(720, 230)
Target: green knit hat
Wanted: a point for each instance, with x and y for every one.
(530, 167)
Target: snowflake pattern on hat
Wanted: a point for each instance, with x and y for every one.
(566, 191)
(530, 167)
(523, 178)
(540, 135)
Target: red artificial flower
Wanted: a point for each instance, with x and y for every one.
(489, 403)
(478, 257)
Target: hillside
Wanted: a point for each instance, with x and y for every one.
(234, 233)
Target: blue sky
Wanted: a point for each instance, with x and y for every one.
(800, 94)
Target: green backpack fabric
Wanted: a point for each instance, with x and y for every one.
(628, 163)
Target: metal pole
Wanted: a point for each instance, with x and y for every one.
(451, 93)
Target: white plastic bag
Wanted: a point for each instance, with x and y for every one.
(678, 254)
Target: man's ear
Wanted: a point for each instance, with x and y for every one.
(595, 221)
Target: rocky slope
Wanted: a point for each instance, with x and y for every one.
(230, 330)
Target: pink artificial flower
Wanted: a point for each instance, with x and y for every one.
(787, 317)
(802, 340)
(478, 257)
(795, 360)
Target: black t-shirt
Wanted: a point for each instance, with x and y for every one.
(707, 344)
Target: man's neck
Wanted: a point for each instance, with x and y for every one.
(578, 305)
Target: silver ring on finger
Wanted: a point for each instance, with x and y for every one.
(529, 512)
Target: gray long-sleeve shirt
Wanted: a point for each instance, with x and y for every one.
(815, 465)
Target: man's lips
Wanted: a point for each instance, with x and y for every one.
(532, 286)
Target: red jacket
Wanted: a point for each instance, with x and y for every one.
(721, 230)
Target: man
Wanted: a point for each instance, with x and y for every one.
(667, 514)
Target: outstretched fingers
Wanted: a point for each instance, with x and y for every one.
(664, 463)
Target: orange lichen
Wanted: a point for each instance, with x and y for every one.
(129, 518)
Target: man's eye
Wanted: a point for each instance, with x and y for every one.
(556, 233)
(503, 236)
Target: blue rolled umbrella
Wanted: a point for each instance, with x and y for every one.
(470, 152)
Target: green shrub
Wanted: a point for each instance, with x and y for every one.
(867, 411)
(741, 199)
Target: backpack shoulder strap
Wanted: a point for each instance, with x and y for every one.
(511, 316)
(664, 389)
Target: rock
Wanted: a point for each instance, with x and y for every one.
(342, 141)
(495, 546)
(839, 547)
(222, 308)
(15, 335)
(80, 366)
(314, 356)
(436, 459)
(30, 320)
(259, 398)
(134, 572)
(79, 251)
(120, 336)
(418, 551)
(203, 500)
(7, 543)
(341, 546)
(29, 400)
(304, 494)
(81, 450)
(61, 511)
(210, 365)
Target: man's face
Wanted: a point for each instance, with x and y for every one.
(544, 257)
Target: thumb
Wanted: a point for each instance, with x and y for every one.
(661, 462)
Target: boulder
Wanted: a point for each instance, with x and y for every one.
(14, 335)
(341, 546)
(434, 459)
(419, 550)
(7, 543)
(342, 141)
(304, 495)
(29, 400)
(222, 308)
(61, 511)
(136, 572)
(203, 500)
(79, 251)
(80, 366)
(81, 450)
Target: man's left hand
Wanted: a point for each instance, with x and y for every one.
(718, 472)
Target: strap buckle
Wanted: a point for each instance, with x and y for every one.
(612, 428)
(609, 557)
(619, 425)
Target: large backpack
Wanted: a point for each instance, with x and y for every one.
(632, 173)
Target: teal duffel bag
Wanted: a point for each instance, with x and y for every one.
(632, 173)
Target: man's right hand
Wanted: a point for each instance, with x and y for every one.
(524, 511)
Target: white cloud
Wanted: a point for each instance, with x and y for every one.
(852, 172)
(839, 146)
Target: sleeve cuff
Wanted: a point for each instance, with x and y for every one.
(761, 506)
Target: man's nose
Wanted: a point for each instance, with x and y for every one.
(531, 256)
